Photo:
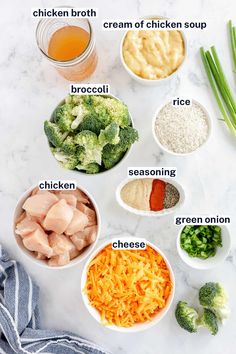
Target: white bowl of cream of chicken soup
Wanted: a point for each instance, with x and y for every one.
(153, 56)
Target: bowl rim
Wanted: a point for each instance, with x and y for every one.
(203, 264)
(163, 148)
(151, 213)
(137, 327)
(155, 81)
(126, 154)
(80, 258)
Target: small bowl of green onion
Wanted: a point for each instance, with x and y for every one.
(203, 246)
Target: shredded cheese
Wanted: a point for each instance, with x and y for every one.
(128, 287)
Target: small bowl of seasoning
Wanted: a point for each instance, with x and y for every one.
(203, 246)
(181, 130)
(149, 196)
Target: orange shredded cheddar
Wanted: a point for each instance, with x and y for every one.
(128, 286)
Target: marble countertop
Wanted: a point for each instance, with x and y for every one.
(30, 89)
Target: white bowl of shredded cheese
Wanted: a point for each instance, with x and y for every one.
(181, 130)
(98, 316)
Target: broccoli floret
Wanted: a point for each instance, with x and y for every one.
(186, 317)
(73, 99)
(213, 296)
(91, 168)
(92, 150)
(111, 155)
(118, 111)
(80, 112)
(110, 135)
(91, 122)
(67, 161)
(209, 321)
(68, 146)
(128, 136)
(54, 134)
(63, 117)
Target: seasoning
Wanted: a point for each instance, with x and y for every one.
(182, 129)
(171, 196)
(149, 194)
(157, 195)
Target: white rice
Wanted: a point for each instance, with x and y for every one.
(182, 129)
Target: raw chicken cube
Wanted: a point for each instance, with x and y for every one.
(78, 222)
(39, 204)
(90, 213)
(37, 241)
(26, 226)
(79, 195)
(59, 260)
(40, 256)
(62, 244)
(84, 238)
(58, 217)
(69, 198)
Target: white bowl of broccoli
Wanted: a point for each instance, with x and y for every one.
(90, 134)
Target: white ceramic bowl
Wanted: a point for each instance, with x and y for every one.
(137, 327)
(211, 262)
(18, 210)
(102, 172)
(151, 213)
(148, 82)
(209, 122)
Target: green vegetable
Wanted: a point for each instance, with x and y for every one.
(67, 161)
(209, 321)
(219, 84)
(201, 241)
(90, 133)
(186, 317)
(64, 117)
(110, 135)
(89, 141)
(90, 168)
(213, 296)
(232, 33)
(54, 134)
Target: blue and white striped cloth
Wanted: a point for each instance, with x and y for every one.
(19, 318)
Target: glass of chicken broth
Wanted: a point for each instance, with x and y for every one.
(69, 45)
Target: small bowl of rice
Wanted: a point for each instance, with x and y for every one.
(181, 130)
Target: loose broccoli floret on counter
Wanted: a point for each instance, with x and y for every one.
(67, 161)
(186, 317)
(92, 150)
(90, 168)
(213, 296)
(68, 146)
(110, 135)
(64, 117)
(209, 321)
(54, 134)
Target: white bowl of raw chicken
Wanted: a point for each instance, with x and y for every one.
(75, 255)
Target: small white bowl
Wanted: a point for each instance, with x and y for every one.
(209, 122)
(139, 326)
(151, 213)
(149, 82)
(17, 212)
(211, 262)
(102, 172)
